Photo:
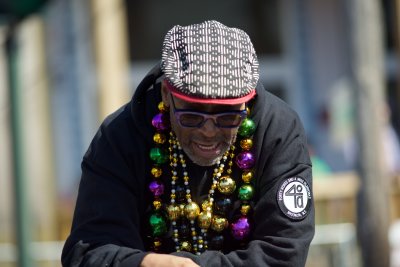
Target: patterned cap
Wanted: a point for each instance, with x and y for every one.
(210, 63)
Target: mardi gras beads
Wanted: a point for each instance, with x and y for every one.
(245, 160)
(191, 224)
(158, 155)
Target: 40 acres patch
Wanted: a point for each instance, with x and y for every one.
(294, 198)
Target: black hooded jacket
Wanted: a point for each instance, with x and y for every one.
(110, 220)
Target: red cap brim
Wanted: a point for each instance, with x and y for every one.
(220, 101)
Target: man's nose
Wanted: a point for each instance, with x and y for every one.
(209, 128)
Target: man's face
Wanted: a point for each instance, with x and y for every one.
(207, 144)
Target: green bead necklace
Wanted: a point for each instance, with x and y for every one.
(183, 212)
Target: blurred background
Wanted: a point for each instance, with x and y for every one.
(66, 64)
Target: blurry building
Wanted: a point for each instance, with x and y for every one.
(304, 53)
(68, 77)
(81, 60)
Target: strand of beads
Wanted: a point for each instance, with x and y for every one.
(186, 210)
(191, 209)
(173, 209)
(159, 156)
(182, 213)
(226, 186)
(206, 218)
(245, 160)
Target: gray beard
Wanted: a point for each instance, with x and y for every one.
(202, 163)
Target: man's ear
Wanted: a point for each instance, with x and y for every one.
(164, 93)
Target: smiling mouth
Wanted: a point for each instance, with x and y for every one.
(207, 150)
(207, 147)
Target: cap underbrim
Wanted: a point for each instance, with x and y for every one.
(220, 101)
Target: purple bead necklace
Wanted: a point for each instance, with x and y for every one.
(190, 224)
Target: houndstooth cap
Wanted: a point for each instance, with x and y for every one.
(210, 63)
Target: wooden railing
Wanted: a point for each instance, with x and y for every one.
(336, 198)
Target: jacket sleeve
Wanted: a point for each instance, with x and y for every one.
(105, 228)
(278, 240)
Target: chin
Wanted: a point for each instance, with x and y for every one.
(201, 161)
(205, 163)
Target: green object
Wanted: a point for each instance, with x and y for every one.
(247, 128)
(20, 8)
(22, 218)
(158, 224)
(246, 192)
(319, 167)
(158, 155)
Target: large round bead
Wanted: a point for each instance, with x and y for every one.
(182, 209)
(226, 185)
(159, 138)
(159, 155)
(206, 205)
(156, 244)
(156, 172)
(246, 144)
(158, 224)
(247, 176)
(245, 209)
(247, 128)
(246, 192)
(240, 229)
(248, 111)
(222, 205)
(173, 212)
(157, 188)
(161, 122)
(245, 160)
(218, 223)
(204, 219)
(157, 204)
(186, 246)
(192, 210)
(161, 107)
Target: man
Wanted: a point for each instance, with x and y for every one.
(203, 166)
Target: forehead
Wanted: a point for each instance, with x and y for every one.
(182, 104)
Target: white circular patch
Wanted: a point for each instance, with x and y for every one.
(294, 198)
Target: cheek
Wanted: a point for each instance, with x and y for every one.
(230, 134)
(182, 134)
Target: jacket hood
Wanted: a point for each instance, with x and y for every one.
(145, 101)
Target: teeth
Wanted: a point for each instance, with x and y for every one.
(209, 147)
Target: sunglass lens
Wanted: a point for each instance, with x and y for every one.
(191, 120)
(229, 120)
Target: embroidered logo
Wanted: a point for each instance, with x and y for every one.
(294, 198)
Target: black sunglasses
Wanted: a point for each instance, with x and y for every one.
(196, 119)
